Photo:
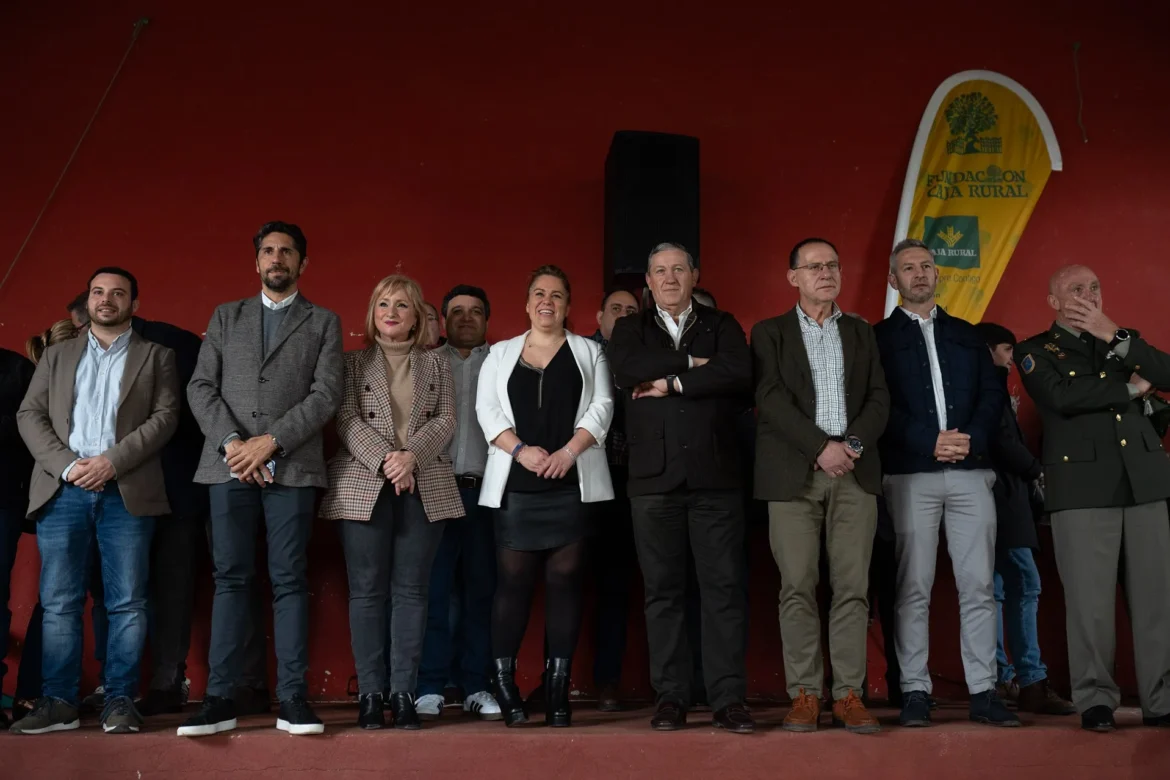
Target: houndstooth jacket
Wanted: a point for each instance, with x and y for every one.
(365, 423)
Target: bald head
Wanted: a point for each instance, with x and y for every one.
(1073, 283)
(1062, 276)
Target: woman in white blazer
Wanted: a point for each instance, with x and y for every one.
(545, 401)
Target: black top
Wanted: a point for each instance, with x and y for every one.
(16, 464)
(544, 402)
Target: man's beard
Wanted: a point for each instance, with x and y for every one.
(909, 296)
(104, 319)
(281, 285)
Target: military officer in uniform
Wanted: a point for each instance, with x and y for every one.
(1107, 481)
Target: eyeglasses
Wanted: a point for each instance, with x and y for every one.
(833, 266)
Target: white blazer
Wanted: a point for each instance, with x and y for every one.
(594, 414)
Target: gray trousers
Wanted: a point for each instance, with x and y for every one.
(848, 515)
(389, 557)
(918, 504)
(1089, 546)
(237, 510)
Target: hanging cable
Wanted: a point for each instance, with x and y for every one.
(138, 26)
(1080, 94)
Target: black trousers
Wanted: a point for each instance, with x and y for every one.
(613, 559)
(710, 524)
(173, 557)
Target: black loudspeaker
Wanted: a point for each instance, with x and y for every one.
(651, 196)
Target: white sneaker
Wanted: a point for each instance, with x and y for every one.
(429, 707)
(484, 705)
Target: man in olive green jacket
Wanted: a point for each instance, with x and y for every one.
(1107, 480)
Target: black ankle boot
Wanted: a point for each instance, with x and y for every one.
(556, 692)
(370, 711)
(507, 694)
(405, 716)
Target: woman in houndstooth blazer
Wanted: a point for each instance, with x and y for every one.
(389, 484)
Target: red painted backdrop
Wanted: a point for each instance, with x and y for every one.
(464, 142)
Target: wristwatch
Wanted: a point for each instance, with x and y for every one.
(670, 380)
(854, 443)
(1118, 337)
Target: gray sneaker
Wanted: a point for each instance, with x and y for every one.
(47, 715)
(120, 716)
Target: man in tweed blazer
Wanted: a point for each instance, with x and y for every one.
(268, 380)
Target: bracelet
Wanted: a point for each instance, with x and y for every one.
(572, 455)
(516, 450)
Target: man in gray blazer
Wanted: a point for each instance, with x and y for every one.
(95, 418)
(269, 378)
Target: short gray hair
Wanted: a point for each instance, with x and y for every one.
(908, 243)
(667, 246)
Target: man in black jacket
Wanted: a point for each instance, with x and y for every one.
(686, 372)
(16, 465)
(1024, 680)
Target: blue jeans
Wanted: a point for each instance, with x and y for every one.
(66, 531)
(1017, 594)
(468, 546)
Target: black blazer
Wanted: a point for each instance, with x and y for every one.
(180, 456)
(16, 464)
(1015, 469)
(974, 395)
(787, 437)
(689, 439)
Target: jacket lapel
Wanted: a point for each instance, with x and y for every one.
(252, 327)
(297, 314)
(509, 355)
(585, 365)
(845, 327)
(376, 383)
(66, 379)
(421, 377)
(790, 331)
(137, 352)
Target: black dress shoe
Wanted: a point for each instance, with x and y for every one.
(670, 716)
(158, 701)
(734, 718)
(371, 711)
(405, 715)
(607, 699)
(1099, 718)
(1157, 721)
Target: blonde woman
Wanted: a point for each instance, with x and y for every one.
(61, 330)
(545, 402)
(390, 483)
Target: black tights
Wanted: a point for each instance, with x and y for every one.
(516, 577)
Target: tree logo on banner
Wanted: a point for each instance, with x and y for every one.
(968, 115)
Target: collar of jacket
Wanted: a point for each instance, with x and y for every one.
(697, 310)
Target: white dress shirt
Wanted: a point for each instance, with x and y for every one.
(272, 305)
(936, 377)
(675, 329)
(96, 388)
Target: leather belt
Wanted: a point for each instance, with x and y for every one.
(468, 482)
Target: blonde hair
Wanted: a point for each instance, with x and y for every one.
(414, 294)
(61, 330)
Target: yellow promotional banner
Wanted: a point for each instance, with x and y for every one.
(982, 156)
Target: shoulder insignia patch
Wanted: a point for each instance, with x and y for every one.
(1028, 364)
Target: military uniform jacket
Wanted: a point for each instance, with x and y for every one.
(1100, 449)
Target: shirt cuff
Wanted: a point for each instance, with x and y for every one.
(690, 362)
(1122, 349)
(678, 383)
(65, 473)
(228, 439)
(1133, 391)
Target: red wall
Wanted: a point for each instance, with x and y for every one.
(464, 142)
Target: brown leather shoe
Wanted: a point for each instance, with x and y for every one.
(1008, 692)
(1042, 700)
(852, 714)
(805, 712)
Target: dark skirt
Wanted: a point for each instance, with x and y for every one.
(541, 521)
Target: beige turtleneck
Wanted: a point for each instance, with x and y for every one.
(400, 385)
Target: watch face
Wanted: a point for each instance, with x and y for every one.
(855, 445)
